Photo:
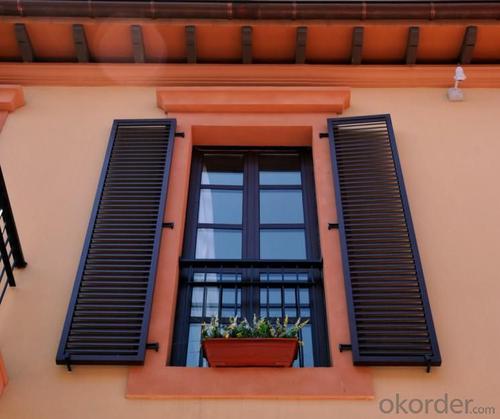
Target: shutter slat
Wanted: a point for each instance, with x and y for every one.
(108, 314)
(389, 311)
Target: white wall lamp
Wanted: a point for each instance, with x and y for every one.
(455, 94)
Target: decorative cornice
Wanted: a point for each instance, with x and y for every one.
(245, 75)
(254, 99)
(11, 97)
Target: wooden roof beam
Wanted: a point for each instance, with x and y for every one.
(300, 45)
(412, 45)
(80, 42)
(468, 45)
(246, 45)
(357, 45)
(24, 42)
(137, 43)
(190, 32)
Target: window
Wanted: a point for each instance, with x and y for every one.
(251, 247)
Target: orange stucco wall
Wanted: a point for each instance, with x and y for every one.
(51, 151)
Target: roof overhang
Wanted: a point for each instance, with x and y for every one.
(249, 41)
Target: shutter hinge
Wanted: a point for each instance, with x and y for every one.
(323, 135)
(179, 134)
(332, 226)
(345, 347)
(168, 225)
(153, 345)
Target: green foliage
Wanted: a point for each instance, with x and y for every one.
(260, 328)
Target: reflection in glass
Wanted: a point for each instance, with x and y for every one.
(218, 244)
(224, 169)
(282, 244)
(281, 206)
(279, 169)
(220, 206)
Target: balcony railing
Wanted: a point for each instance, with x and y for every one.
(11, 253)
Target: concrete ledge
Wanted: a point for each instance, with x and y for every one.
(254, 99)
(68, 74)
(11, 97)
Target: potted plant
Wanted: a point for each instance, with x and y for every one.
(260, 344)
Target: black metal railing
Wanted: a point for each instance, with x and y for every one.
(11, 253)
(244, 288)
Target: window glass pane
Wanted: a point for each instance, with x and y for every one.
(290, 296)
(282, 244)
(221, 169)
(307, 346)
(199, 277)
(290, 302)
(303, 277)
(274, 296)
(279, 169)
(228, 296)
(220, 206)
(281, 206)
(275, 312)
(194, 342)
(218, 244)
(288, 276)
(231, 277)
(304, 296)
(197, 302)
(263, 296)
(215, 277)
(211, 277)
(212, 306)
(231, 302)
(305, 311)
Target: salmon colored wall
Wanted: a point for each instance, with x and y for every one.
(51, 151)
(11, 98)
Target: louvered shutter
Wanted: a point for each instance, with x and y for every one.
(389, 312)
(108, 314)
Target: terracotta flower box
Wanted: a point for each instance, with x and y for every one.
(250, 352)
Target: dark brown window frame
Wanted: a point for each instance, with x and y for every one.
(250, 266)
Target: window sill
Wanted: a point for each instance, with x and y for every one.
(347, 382)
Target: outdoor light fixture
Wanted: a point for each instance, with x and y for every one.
(455, 94)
